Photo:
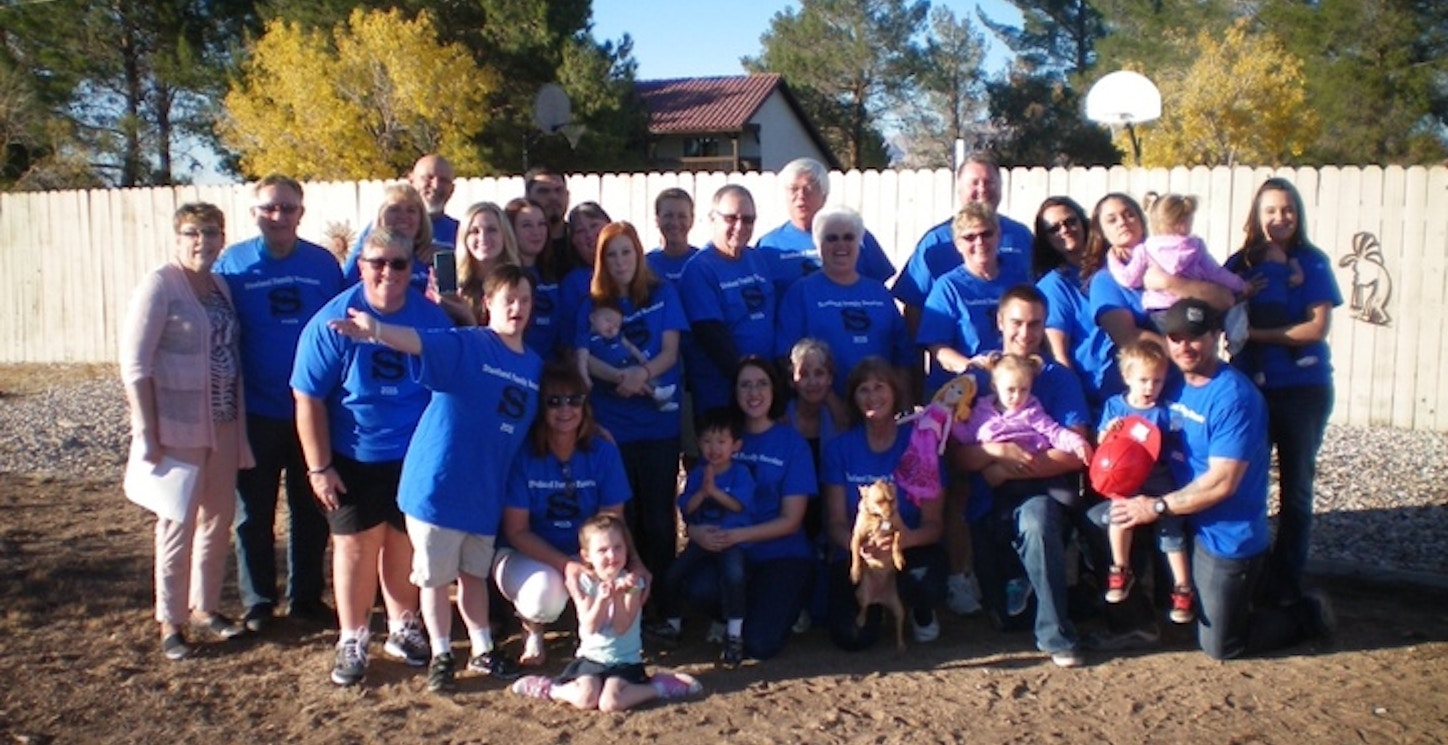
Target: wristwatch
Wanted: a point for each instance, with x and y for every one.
(1160, 506)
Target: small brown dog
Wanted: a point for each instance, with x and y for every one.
(877, 520)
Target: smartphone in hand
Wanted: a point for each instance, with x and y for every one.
(445, 271)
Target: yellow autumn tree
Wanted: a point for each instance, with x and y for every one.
(361, 102)
(1243, 101)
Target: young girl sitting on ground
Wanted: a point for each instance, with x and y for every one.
(607, 672)
(1174, 250)
(1144, 366)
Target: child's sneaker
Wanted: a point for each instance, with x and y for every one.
(1018, 596)
(673, 686)
(732, 655)
(663, 393)
(1119, 583)
(1181, 604)
(534, 686)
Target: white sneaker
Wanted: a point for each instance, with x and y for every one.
(801, 624)
(716, 633)
(962, 594)
(927, 633)
(1068, 658)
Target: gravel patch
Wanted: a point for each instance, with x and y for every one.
(1382, 493)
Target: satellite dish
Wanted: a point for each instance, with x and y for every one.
(1123, 97)
(551, 109)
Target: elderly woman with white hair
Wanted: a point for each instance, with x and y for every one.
(854, 314)
(791, 248)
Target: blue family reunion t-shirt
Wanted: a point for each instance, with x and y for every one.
(936, 254)
(782, 465)
(560, 497)
(737, 482)
(961, 314)
(1226, 418)
(274, 299)
(1068, 310)
(542, 333)
(849, 463)
(793, 255)
(635, 418)
(1310, 365)
(373, 402)
(484, 398)
(737, 293)
(668, 267)
(856, 321)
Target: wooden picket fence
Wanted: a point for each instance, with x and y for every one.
(71, 258)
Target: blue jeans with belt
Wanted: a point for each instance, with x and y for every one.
(1296, 422)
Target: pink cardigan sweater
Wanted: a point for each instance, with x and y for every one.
(166, 337)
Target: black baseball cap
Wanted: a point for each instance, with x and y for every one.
(1190, 317)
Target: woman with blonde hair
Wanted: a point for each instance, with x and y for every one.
(403, 212)
(487, 241)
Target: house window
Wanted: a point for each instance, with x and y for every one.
(701, 147)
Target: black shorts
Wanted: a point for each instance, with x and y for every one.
(371, 497)
(631, 672)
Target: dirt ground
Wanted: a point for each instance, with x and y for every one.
(79, 663)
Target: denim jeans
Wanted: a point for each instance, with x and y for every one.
(1229, 626)
(1041, 527)
(777, 591)
(1296, 420)
(275, 445)
(730, 575)
(921, 587)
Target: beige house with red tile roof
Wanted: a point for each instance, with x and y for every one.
(736, 123)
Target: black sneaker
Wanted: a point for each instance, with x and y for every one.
(664, 633)
(175, 648)
(1322, 623)
(258, 617)
(409, 644)
(351, 664)
(732, 655)
(495, 664)
(440, 673)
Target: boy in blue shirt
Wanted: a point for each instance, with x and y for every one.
(717, 492)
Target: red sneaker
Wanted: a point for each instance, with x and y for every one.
(1181, 604)
(1119, 583)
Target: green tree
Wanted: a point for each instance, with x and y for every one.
(126, 81)
(1038, 122)
(363, 101)
(1241, 102)
(528, 43)
(850, 62)
(951, 101)
(1377, 76)
(1055, 36)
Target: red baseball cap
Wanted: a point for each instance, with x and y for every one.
(1125, 458)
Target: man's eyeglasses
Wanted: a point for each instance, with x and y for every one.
(730, 219)
(557, 402)
(377, 262)
(194, 233)
(278, 207)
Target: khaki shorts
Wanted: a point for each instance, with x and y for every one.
(439, 554)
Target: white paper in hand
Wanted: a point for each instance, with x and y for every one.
(165, 489)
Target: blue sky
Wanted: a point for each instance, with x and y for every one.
(694, 38)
